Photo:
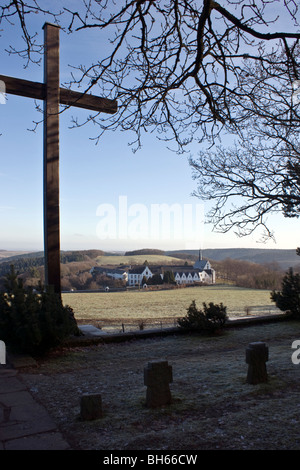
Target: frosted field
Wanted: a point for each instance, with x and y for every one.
(154, 308)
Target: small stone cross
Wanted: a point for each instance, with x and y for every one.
(257, 354)
(91, 407)
(157, 376)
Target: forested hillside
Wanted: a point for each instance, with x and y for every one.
(27, 264)
(76, 266)
(284, 258)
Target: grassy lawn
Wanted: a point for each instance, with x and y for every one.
(213, 407)
(164, 306)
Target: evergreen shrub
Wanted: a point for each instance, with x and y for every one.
(288, 299)
(210, 319)
(33, 321)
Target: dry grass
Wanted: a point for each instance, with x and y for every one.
(213, 407)
(110, 309)
(138, 259)
(7, 254)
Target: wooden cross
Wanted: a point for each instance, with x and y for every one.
(52, 95)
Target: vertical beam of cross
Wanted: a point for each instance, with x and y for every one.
(52, 95)
(51, 158)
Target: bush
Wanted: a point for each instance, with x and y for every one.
(210, 319)
(169, 277)
(33, 322)
(288, 300)
(155, 280)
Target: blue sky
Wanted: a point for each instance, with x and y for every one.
(92, 175)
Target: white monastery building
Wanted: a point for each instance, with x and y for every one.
(200, 272)
(137, 274)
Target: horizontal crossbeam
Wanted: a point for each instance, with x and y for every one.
(36, 90)
(53, 95)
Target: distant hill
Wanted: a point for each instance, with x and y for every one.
(25, 261)
(66, 256)
(6, 255)
(138, 260)
(187, 255)
(145, 251)
(284, 258)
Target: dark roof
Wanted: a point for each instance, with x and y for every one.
(200, 264)
(185, 271)
(138, 269)
(102, 269)
(168, 267)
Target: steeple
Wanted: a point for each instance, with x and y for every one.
(199, 264)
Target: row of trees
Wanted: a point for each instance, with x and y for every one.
(247, 274)
(157, 279)
(145, 251)
(31, 263)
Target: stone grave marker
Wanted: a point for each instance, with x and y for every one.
(91, 407)
(157, 376)
(2, 352)
(257, 354)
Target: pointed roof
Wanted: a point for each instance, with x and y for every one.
(138, 269)
(200, 264)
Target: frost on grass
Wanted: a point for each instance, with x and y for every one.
(212, 406)
(163, 308)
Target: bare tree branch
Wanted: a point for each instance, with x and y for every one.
(16, 12)
(194, 71)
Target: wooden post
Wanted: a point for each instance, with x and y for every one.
(52, 94)
(51, 158)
